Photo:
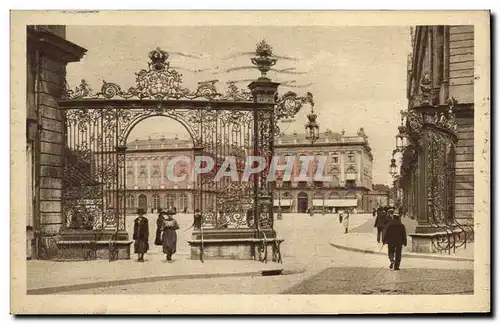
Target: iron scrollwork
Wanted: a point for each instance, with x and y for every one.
(157, 82)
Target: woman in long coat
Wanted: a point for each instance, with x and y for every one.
(159, 227)
(141, 235)
(170, 226)
(345, 221)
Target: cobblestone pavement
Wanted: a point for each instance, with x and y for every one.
(329, 270)
(384, 281)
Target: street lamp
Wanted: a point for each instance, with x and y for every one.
(393, 167)
(312, 126)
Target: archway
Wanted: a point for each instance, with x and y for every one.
(302, 202)
(143, 202)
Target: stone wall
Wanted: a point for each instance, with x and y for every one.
(462, 89)
(462, 63)
(47, 56)
(464, 172)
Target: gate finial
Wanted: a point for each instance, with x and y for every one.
(158, 59)
(263, 61)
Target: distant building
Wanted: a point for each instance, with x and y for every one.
(148, 185)
(349, 163)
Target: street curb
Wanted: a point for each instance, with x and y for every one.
(406, 255)
(121, 282)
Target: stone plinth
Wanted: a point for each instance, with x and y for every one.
(426, 242)
(236, 244)
(78, 244)
(422, 242)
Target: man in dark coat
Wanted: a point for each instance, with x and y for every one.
(141, 235)
(395, 238)
(380, 223)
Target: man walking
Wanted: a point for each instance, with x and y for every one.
(380, 223)
(395, 238)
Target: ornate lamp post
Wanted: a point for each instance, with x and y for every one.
(392, 167)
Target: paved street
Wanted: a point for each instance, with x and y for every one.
(328, 270)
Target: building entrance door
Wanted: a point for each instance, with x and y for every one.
(302, 202)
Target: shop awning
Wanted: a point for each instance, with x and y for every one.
(341, 202)
(282, 203)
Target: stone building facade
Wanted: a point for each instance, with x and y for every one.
(348, 162)
(48, 53)
(148, 186)
(446, 55)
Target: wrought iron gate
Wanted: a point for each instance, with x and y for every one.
(235, 124)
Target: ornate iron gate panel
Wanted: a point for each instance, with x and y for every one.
(231, 126)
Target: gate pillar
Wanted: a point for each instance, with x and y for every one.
(48, 53)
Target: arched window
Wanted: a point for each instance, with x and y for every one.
(287, 195)
(318, 195)
(334, 195)
(156, 201)
(130, 201)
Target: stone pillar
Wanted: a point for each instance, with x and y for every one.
(48, 54)
(342, 169)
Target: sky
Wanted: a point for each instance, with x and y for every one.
(356, 74)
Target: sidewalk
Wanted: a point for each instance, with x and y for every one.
(363, 239)
(48, 277)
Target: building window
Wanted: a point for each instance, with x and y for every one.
(155, 175)
(169, 200)
(156, 201)
(335, 159)
(130, 175)
(130, 201)
(286, 184)
(143, 175)
(350, 184)
(350, 158)
(183, 202)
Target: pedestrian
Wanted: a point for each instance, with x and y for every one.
(170, 226)
(395, 238)
(159, 227)
(197, 219)
(380, 223)
(341, 214)
(141, 235)
(345, 221)
(374, 212)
